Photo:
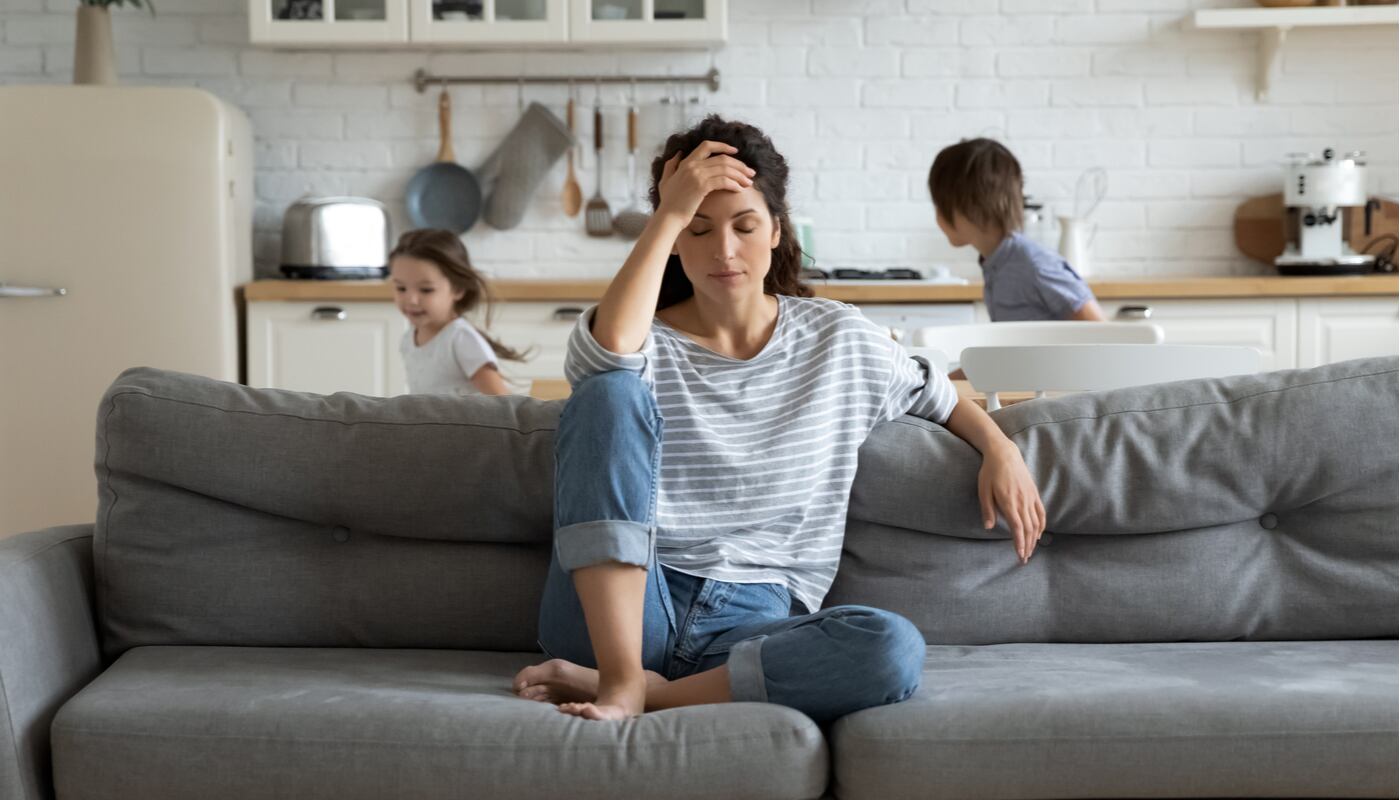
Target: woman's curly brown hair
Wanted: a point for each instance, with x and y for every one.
(771, 179)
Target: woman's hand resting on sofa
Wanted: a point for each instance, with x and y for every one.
(1004, 484)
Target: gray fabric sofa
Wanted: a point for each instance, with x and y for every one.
(289, 595)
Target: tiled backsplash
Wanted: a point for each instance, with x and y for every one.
(859, 97)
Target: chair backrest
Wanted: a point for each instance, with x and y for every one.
(952, 340)
(1089, 367)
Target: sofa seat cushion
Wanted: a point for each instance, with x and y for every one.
(1220, 719)
(233, 722)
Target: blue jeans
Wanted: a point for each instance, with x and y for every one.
(827, 664)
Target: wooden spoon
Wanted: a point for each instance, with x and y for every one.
(573, 195)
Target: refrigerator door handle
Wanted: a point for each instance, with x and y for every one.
(7, 290)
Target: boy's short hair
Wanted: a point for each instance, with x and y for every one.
(980, 179)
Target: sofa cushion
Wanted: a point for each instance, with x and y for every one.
(1226, 719)
(236, 516)
(1252, 507)
(341, 724)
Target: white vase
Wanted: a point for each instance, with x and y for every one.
(94, 61)
(1076, 237)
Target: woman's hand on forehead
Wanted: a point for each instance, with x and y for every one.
(710, 167)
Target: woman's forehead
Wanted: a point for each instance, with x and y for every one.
(723, 204)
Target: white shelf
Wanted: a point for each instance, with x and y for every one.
(1273, 25)
(1296, 17)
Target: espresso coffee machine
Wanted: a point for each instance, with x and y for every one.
(1315, 190)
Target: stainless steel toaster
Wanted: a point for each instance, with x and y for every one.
(335, 237)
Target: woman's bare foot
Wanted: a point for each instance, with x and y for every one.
(619, 701)
(559, 681)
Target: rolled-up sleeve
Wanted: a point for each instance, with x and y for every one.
(585, 357)
(917, 388)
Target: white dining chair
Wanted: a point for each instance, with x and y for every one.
(952, 340)
(1095, 367)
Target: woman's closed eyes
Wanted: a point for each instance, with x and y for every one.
(707, 230)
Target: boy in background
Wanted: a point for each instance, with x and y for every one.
(976, 188)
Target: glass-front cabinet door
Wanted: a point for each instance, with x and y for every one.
(489, 21)
(675, 21)
(327, 22)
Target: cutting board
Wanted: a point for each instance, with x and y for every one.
(1260, 234)
(1259, 230)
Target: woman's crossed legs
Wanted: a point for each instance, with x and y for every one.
(629, 635)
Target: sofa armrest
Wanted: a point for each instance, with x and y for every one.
(48, 647)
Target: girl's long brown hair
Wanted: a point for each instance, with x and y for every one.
(757, 151)
(445, 249)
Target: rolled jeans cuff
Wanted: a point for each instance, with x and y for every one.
(587, 543)
(746, 672)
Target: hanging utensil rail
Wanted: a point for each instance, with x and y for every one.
(422, 79)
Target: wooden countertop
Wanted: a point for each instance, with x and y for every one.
(592, 290)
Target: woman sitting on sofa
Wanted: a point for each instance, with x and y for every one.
(705, 459)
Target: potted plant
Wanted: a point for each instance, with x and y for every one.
(94, 61)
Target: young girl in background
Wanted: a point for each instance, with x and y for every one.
(434, 285)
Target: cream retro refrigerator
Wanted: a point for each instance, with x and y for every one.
(125, 226)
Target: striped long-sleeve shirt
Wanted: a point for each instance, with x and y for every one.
(758, 455)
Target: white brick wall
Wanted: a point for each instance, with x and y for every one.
(859, 104)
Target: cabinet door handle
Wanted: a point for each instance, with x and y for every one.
(328, 312)
(1127, 313)
(6, 290)
(566, 312)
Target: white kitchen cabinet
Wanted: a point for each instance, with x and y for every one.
(1269, 325)
(326, 347)
(648, 21)
(489, 21)
(330, 347)
(1340, 328)
(312, 23)
(543, 326)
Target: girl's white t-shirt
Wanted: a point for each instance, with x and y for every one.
(447, 362)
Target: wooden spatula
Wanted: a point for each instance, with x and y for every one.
(572, 197)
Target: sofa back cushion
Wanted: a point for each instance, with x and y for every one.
(237, 516)
(1252, 507)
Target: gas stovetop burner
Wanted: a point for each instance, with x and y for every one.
(852, 274)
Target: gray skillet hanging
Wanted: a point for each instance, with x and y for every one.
(444, 194)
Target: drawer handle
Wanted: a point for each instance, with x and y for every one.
(1133, 312)
(567, 312)
(328, 312)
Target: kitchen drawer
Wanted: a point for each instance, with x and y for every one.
(1269, 325)
(326, 347)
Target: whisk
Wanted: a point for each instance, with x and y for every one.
(1093, 185)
